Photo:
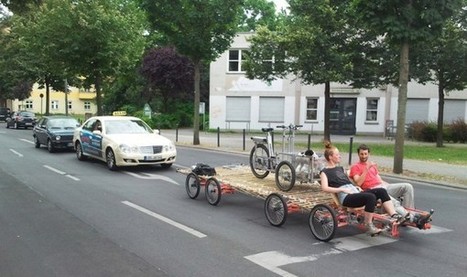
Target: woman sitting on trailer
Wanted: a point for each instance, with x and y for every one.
(334, 180)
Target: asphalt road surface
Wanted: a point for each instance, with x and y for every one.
(63, 217)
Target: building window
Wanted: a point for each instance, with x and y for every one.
(87, 105)
(312, 109)
(28, 104)
(70, 105)
(54, 105)
(371, 109)
(236, 60)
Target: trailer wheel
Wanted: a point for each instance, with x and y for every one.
(285, 176)
(275, 209)
(213, 191)
(192, 185)
(323, 222)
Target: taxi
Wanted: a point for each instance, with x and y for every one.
(122, 141)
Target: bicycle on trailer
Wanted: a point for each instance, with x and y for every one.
(287, 165)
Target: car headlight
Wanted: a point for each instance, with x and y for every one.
(125, 148)
(169, 147)
(58, 138)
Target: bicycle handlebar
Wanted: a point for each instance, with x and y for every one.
(291, 127)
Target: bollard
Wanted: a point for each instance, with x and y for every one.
(218, 137)
(244, 135)
(176, 135)
(309, 141)
(350, 150)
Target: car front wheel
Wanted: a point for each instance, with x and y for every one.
(79, 152)
(110, 159)
(37, 144)
(50, 146)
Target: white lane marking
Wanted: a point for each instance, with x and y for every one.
(149, 176)
(166, 220)
(61, 172)
(72, 177)
(16, 152)
(54, 170)
(272, 260)
(28, 141)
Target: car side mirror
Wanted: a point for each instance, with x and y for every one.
(156, 131)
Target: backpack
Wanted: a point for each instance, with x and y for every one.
(203, 169)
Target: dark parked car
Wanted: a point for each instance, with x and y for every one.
(23, 119)
(55, 132)
(4, 113)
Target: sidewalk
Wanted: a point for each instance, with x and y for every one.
(431, 172)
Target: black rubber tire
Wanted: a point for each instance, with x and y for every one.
(275, 209)
(323, 222)
(50, 146)
(79, 152)
(259, 152)
(285, 176)
(110, 160)
(37, 144)
(213, 191)
(192, 185)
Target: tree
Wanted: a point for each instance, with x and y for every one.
(443, 60)
(15, 79)
(167, 73)
(319, 44)
(200, 30)
(257, 13)
(403, 23)
(94, 39)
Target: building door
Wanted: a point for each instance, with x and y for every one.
(342, 118)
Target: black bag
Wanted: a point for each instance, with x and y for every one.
(203, 169)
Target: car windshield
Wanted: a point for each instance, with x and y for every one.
(27, 114)
(120, 127)
(63, 123)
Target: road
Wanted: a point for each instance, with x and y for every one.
(63, 217)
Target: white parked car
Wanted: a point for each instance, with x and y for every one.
(122, 141)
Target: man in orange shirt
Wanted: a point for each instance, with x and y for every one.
(366, 175)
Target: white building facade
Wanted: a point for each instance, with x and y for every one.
(237, 103)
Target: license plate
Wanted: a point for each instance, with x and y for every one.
(28, 124)
(152, 158)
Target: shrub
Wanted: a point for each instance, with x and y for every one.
(458, 130)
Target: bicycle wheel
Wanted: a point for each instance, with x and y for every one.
(285, 176)
(213, 191)
(323, 222)
(259, 160)
(192, 185)
(275, 209)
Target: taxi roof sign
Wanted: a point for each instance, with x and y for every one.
(119, 113)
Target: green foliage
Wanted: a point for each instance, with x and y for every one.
(456, 131)
(180, 116)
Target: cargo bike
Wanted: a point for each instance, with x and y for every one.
(325, 213)
(287, 165)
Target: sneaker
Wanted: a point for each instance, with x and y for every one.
(397, 218)
(371, 229)
(422, 220)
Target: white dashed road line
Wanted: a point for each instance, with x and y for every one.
(166, 220)
(16, 152)
(61, 172)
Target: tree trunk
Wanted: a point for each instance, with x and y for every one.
(98, 94)
(327, 110)
(197, 65)
(401, 108)
(47, 95)
(439, 135)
